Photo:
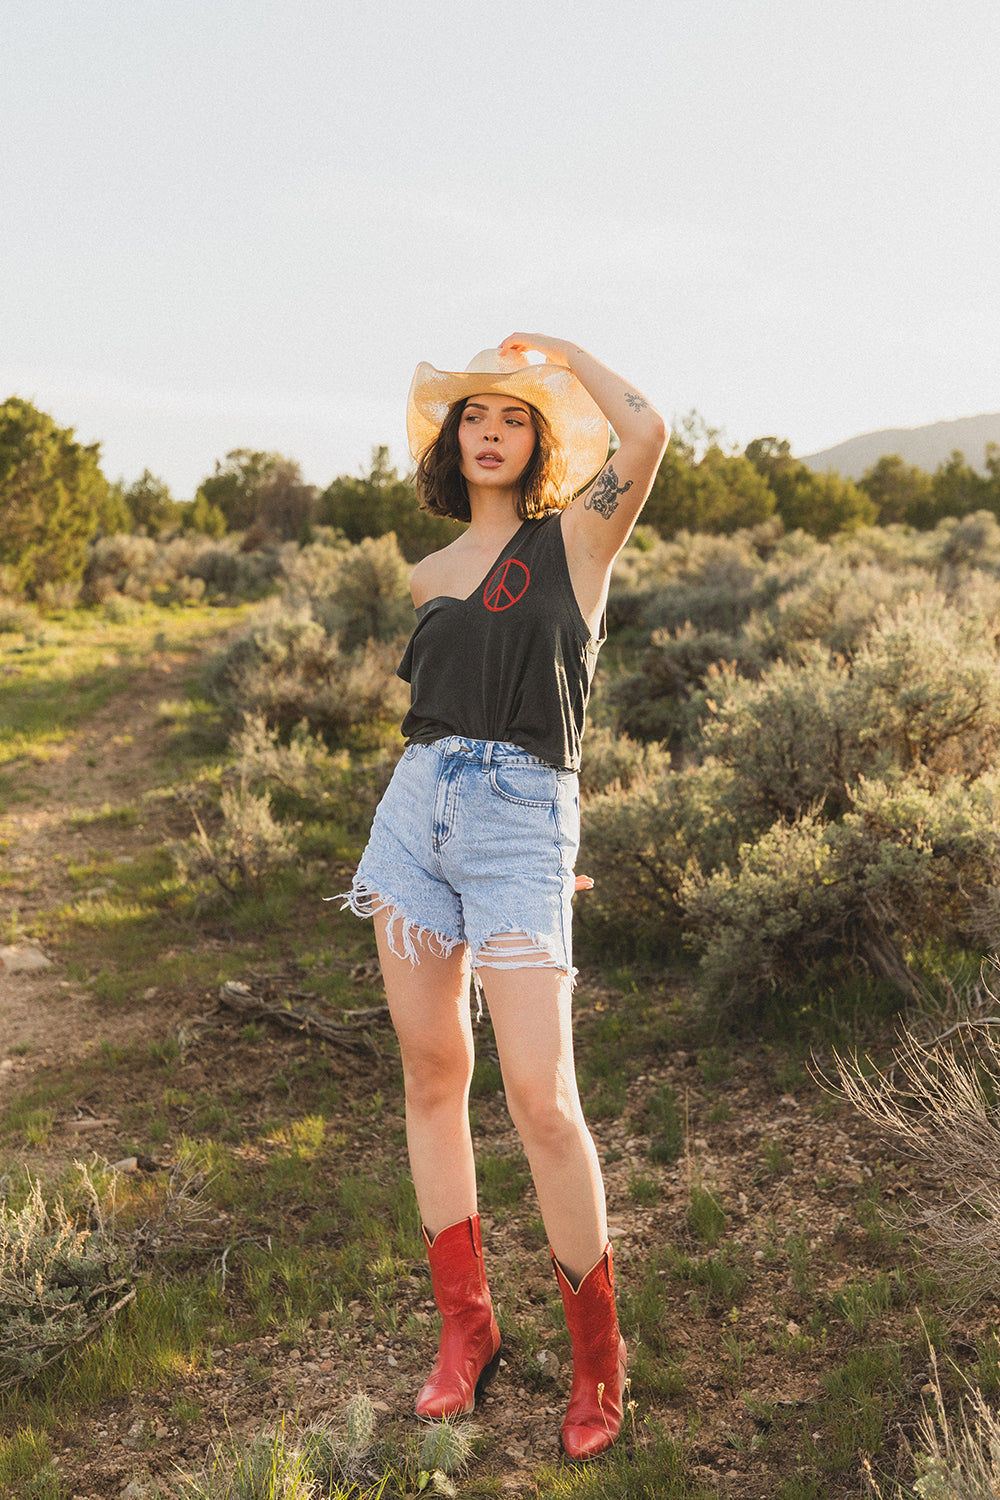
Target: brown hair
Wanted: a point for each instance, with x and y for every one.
(441, 487)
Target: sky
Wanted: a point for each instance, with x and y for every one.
(242, 223)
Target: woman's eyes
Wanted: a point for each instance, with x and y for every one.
(512, 421)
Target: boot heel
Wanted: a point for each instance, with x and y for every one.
(488, 1374)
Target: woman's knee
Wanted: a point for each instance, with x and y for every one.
(433, 1077)
(547, 1120)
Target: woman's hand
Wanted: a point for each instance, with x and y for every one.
(556, 351)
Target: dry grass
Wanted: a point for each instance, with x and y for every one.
(938, 1101)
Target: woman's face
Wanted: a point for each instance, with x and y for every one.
(496, 437)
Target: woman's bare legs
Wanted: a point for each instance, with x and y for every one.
(531, 1011)
(429, 1005)
(532, 1021)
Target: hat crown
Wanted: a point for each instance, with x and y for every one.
(492, 362)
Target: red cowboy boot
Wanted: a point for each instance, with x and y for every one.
(469, 1351)
(594, 1415)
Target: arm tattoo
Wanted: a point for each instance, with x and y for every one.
(636, 402)
(604, 496)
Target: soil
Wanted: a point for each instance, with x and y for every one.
(783, 1160)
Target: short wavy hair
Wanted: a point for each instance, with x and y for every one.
(441, 487)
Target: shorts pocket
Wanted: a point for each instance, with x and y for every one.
(527, 785)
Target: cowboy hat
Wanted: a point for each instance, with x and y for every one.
(577, 422)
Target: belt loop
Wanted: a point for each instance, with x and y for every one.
(487, 754)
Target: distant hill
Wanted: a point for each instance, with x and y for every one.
(926, 447)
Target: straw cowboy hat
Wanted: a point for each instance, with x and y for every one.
(577, 422)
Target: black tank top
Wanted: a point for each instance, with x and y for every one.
(515, 661)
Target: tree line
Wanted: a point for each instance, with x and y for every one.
(55, 501)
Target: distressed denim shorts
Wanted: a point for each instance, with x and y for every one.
(474, 839)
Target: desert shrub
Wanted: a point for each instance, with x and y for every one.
(309, 573)
(922, 692)
(306, 776)
(791, 738)
(667, 698)
(958, 1458)
(120, 611)
(17, 618)
(716, 583)
(613, 762)
(175, 569)
(289, 669)
(298, 764)
(324, 655)
(834, 604)
(60, 1280)
(243, 852)
(228, 571)
(358, 593)
(640, 570)
(972, 542)
(928, 673)
(638, 844)
(842, 700)
(905, 866)
(342, 1458)
(116, 563)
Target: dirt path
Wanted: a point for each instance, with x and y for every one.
(107, 763)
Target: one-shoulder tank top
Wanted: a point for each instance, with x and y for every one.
(514, 661)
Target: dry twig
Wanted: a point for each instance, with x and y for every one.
(237, 997)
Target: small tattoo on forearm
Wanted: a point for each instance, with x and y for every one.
(636, 402)
(604, 496)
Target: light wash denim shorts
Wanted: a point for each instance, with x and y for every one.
(474, 839)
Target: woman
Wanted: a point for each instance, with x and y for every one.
(470, 862)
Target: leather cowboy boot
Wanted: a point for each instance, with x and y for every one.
(469, 1351)
(594, 1415)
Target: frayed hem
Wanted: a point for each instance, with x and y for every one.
(529, 952)
(399, 929)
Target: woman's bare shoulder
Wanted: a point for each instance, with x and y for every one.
(432, 574)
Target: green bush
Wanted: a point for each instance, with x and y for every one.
(59, 1282)
(613, 762)
(290, 670)
(638, 844)
(174, 569)
(358, 593)
(907, 865)
(325, 655)
(833, 710)
(244, 851)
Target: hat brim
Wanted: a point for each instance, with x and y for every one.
(577, 423)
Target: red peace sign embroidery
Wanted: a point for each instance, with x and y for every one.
(506, 585)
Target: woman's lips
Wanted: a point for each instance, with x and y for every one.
(489, 459)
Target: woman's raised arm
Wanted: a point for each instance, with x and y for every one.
(601, 518)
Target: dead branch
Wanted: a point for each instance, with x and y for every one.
(237, 997)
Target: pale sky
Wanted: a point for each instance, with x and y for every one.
(241, 223)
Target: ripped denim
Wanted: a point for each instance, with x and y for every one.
(474, 843)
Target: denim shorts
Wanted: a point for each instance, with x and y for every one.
(474, 839)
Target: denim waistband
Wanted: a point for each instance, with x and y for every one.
(486, 752)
